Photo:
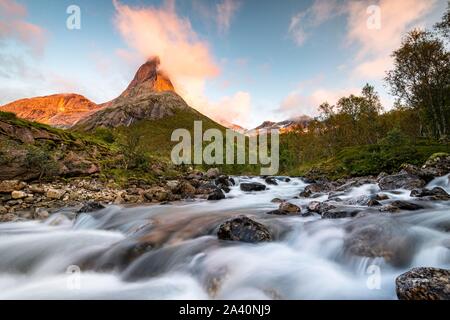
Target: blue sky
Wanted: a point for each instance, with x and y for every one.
(241, 61)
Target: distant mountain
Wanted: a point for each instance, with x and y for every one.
(283, 126)
(59, 110)
(233, 126)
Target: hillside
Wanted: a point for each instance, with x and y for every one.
(59, 110)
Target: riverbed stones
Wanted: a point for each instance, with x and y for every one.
(244, 229)
(213, 173)
(55, 194)
(8, 186)
(424, 284)
(401, 181)
(252, 186)
(216, 195)
(18, 195)
(437, 193)
(271, 181)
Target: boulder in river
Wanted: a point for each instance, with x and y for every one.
(252, 186)
(271, 180)
(424, 284)
(401, 181)
(216, 195)
(437, 193)
(286, 209)
(244, 229)
(401, 205)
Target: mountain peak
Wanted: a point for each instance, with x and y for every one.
(148, 78)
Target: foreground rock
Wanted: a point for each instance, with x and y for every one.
(401, 205)
(252, 186)
(424, 284)
(244, 229)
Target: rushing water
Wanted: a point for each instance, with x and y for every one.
(172, 251)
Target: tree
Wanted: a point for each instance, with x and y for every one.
(443, 27)
(421, 79)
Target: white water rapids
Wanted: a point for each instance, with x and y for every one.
(183, 259)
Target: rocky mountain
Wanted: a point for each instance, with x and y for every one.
(150, 96)
(283, 126)
(59, 110)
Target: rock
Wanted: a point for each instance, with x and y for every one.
(320, 187)
(375, 236)
(381, 176)
(224, 181)
(213, 173)
(305, 194)
(289, 208)
(3, 210)
(276, 200)
(353, 183)
(424, 284)
(91, 206)
(41, 214)
(381, 197)
(319, 207)
(216, 195)
(172, 185)
(271, 180)
(8, 217)
(252, 186)
(55, 194)
(244, 229)
(373, 203)
(186, 189)
(18, 195)
(157, 193)
(438, 164)
(339, 213)
(401, 181)
(401, 205)
(207, 188)
(436, 193)
(8, 186)
(424, 174)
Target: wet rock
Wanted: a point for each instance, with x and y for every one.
(286, 209)
(8, 186)
(355, 182)
(424, 284)
(224, 181)
(401, 181)
(244, 229)
(339, 213)
(276, 200)
(18, 195)
(401, 205)
(186, 189)
(8, 217)
(216, 195)
(320, 207)
(213, 173)
(373, 203)
(271, 181)
(91, 206)
(375, 236)
(381, 197)
(207, 188)
(320, 187)
(305, 194)
(252, 186)
(381, 176)
(436, 193)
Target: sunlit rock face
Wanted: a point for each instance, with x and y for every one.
(59, 110)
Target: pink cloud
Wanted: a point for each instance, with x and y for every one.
(15, 27)
(185, 57)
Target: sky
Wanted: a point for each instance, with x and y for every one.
(239, 61)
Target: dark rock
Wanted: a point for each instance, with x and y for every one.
(224, 181)
(244, 229)
(207, 188)
(305, 194)
(320, 207)
(339, 213)
(216, 195)
(401, 181)
(276, 200)
(401, 205)
(91, 206)
(436, 193)
(381, 197)
(356, 182)
(437, 165)
(373, 203)
(271, 180)
(252, 186)
(424, 284)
